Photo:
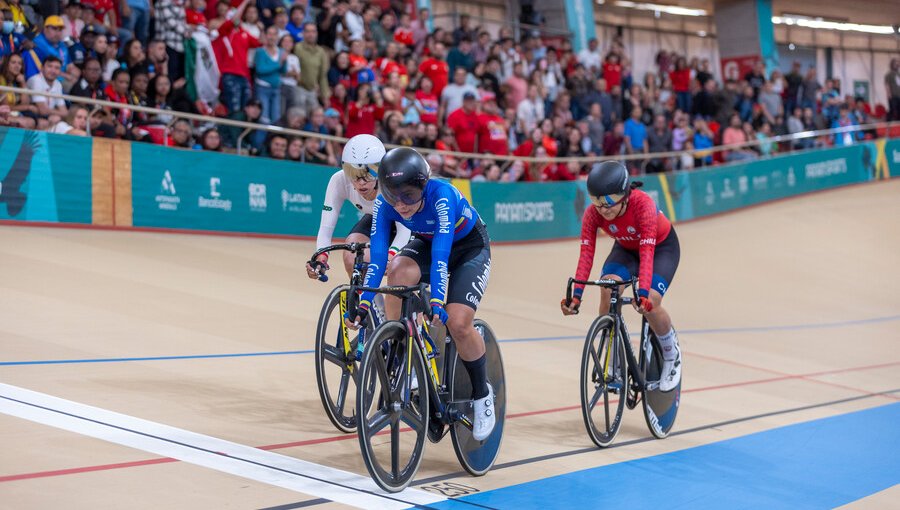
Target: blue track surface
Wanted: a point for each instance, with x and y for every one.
(817, 464)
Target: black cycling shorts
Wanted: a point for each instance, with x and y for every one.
(469, 265)
(625, 263)
(364, 227)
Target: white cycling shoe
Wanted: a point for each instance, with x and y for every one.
(485, 418)
(670, 373)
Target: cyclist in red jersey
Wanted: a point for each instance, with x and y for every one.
(645, 244)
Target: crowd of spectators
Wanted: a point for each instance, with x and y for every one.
(344, 67)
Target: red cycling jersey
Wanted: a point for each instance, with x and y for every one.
(639, 228)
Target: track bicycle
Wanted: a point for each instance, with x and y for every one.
(608, 366)
(412, 376)
(337, 351)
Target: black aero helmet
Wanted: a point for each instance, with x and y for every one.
(608, 184)
(402, 176)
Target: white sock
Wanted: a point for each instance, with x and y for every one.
(669, 344)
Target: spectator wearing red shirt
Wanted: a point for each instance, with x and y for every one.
(464, 123)
(358, 61)
(404, 33)
(194, 15)
(681, 84)
(436, 68)
(429, 101)
(231, 49)
(363, 113)
(493, 133)
(612, 71)
(388, 64)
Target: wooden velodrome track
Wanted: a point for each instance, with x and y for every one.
(788, 314)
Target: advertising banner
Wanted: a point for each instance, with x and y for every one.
(196, 190)
(734, 186)
(45, 177)
(530, 211)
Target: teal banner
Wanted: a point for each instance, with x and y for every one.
(45, 177)
(892, 157)
(195, 190)
(734, 186)
(530, 211)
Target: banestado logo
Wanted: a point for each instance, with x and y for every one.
(215, 200)
(296, 202)
(257, 197)
(523, 212)
(167, 199)
(826, 168)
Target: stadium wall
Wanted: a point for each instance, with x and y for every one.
(70, 180)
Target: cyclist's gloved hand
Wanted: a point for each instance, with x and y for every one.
(354, 319)
(570, 307)
(317, 268)
(438, 312)
(643, 304)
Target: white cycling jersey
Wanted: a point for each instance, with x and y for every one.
(340, 189)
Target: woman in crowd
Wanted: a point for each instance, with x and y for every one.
(290, 94)
(12, 75)
(271, 62)
(133, 55)
(75, 122)
(210, 140)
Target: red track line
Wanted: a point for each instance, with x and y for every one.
(347, 437)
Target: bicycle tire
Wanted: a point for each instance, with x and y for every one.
(593, 389)
(660, 407)
(381, 402)
(331, 355)
(477, 457)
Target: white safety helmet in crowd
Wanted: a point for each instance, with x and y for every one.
(361, 157)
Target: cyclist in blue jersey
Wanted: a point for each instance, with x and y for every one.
(449, 238)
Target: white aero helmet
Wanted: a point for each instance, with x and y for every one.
(361, 157)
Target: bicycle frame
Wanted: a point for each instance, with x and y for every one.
(635, 367)
(445, 410)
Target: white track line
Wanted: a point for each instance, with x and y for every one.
(225, 456)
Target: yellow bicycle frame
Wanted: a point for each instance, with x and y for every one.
(344, 334)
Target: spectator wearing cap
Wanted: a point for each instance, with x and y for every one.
(72, 20)
(493, 137)
(295, 23)
(314, 69)
(232, 48)
(249, 113)
(171, 28)
(461, 56)
(49, 110)
(464, 123)
(136, 18)
(48, 43)
(436, 69)
(453, 95)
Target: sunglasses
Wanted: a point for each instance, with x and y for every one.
(608, 201)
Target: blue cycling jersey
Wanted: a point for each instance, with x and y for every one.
(445, 217)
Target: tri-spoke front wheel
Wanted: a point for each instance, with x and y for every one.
(603, 382)
(392, 398)
(337, 370)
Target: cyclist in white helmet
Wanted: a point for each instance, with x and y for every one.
(356, 182)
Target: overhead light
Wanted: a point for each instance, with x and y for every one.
(702, 33)
(819, 23)
(792, 47)
(667, 9)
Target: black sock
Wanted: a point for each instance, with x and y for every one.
(478, 374)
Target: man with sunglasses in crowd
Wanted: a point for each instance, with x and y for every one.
(645, 244)
(449, 239)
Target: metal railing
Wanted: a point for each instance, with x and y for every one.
(250, 126)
